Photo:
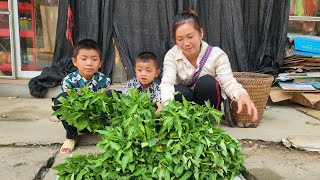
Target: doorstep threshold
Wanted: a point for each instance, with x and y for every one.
(14, 81)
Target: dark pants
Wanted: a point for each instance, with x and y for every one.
(71, 131)
(206, 88)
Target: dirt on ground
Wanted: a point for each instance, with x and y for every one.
(269, 160)
(263, 161)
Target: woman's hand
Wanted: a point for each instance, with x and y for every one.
(245, 99)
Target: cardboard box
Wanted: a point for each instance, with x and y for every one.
(307, 99)
(277, 95)
(311, 100)
(290, 86)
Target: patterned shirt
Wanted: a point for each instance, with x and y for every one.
(75, 81)
(153, 88)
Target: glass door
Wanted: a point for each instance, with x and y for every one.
(6, 36)
(37, 21)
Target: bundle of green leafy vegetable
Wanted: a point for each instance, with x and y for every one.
(85, 109)
(181, 143)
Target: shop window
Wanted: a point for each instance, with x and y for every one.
(5, 49)
(37, 22)
(304, 17)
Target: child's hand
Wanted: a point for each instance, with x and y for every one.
(106, 89)
(160, 107)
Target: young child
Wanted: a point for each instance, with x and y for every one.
(146, 69)
(87, 59)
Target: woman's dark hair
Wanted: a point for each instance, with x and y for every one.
(186, 16)
(147, 57)
(86, 44)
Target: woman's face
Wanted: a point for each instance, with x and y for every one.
(189, 39)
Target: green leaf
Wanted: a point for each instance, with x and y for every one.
(168, 157)
(178, 170)
(82, 125)
(130, 132)
(62, 100)
(144, 144)
(129, 153)
(148, 131)
(166, 175)
(220, 172)
(73, 117)
(133, 109)
(131, 167)
(152, 142)
(185, 102)
(128, 145)
(183, 114)
(199, 151)
(72, 176)
(86, 104)
(80, 175)
(186, 175)
(208, 141)
(114, 95)
(178, 128)
(138, 172)
(232, 150)
(213, 175)
(196, 173)
(96, 98)
(114, 146)
(176, 148)
(223, 146)
(125, 160)
(195, 162)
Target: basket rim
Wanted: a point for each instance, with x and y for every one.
(251, 75)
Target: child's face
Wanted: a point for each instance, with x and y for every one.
(88, 62)
(146, 72)
(189, 39)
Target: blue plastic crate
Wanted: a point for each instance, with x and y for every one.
(308, 44)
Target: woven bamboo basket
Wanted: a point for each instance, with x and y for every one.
(258, 87)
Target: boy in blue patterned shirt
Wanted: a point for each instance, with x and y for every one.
(87, 59)
(146, 69)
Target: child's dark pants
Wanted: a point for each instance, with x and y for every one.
(206, 88)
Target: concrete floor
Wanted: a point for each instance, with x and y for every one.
(30, 138)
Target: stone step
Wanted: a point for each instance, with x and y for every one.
(19, 87)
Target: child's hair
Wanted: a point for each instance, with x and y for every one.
(147, 57)
(86, 44)
(186, 16)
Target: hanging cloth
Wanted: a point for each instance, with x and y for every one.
(70, 24)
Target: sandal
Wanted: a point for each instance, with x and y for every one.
(68, 144)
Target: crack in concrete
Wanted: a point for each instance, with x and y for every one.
(54, 145)
(45, 167)
(49, 163)
(26, 145)
(248, 176)
(306, 113)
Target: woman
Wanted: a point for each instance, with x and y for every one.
(198, 70)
